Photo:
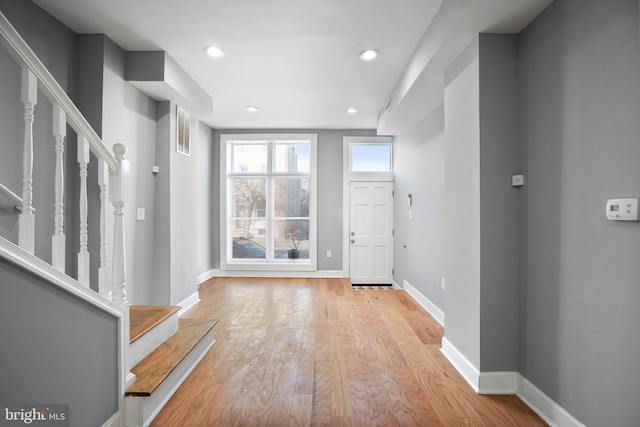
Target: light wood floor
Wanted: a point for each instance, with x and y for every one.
(315, 352)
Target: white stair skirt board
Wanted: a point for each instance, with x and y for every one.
(188, 303)
(424, 302)
(143, 346)
(114, 421)
(141, 411)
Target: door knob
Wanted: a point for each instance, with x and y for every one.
(353, 241)
(353, 233)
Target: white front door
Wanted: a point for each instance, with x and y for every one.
(371, 233)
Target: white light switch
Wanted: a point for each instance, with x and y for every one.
(329, 254)
(140, 214)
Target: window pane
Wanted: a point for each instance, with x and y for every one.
(248, 198)
(292, 157)
(371, 158)
(291, 197)
(249, 158)
(249, 238)
(291, 234)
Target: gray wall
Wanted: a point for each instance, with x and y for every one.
(499, 203)
(56, 349)
(579, 335)
(162, 249)
(329, 190)
(419, 169)
(129, 118)
(203, 148)
(183, 200)
(462, 204)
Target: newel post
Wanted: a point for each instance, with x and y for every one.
(118, 194)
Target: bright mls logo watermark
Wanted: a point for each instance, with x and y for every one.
(34, 415)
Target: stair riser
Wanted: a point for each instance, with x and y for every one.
(140, 411)
(142, 347)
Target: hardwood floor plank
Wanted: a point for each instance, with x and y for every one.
(315, 352)
(301, 410)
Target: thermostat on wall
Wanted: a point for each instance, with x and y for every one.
(622, 209)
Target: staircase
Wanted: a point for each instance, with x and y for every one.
(164, 349)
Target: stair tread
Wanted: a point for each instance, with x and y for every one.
(155, 368)
(143, 318)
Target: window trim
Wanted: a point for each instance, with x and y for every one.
(253, 265)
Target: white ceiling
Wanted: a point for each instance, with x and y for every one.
(297, 60)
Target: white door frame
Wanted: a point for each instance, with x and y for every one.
(348, 177)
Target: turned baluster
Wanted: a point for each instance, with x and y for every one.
(26, 221)
(104, 280)
(83, 254)
(58, 238)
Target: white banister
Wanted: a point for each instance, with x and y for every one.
(58, 238)
(118, 195)
(104, 280)
(27, 223)
(25, 56)
(83, 254)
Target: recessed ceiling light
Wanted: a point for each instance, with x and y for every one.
(251, 108)
(352, 110)
(214, 52)
(369, 54)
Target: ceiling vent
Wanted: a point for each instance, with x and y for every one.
(387, 105)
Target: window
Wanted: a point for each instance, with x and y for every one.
(368, 158)
(269, 193)
(371, 158)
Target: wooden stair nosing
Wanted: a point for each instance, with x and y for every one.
(143, 318)
(156, 367)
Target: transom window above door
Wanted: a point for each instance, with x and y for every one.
(268, 202)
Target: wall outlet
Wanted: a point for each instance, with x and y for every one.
(329, 254)
(442, 284)
(140, 213)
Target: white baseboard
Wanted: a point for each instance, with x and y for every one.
(550, 411)
(509, 383)
(188, 302)
(425, 302)
(464, 367)
(203, 277)
(498, 382)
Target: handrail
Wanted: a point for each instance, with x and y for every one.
(21, 51)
